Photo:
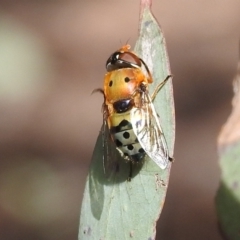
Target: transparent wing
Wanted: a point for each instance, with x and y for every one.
(110, 154)
(146, 126)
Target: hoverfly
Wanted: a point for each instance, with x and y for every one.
(129, 116)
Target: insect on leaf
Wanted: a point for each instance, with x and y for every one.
(112, 207)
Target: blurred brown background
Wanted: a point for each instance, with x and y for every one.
(52, 55)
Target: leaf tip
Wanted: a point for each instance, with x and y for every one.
(146, 3)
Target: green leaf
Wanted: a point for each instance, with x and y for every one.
(114, 208)
(228, 195)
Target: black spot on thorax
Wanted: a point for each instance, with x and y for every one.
(126, 79)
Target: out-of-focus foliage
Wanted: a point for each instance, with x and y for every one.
(24, 65)
(228, 196)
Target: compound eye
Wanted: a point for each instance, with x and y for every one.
(120, 60)
(112, 62)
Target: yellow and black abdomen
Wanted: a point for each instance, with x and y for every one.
(124, 137)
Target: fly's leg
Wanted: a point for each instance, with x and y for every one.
(105, 135)
(104, 145)
(130, 171)
(158, 88)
